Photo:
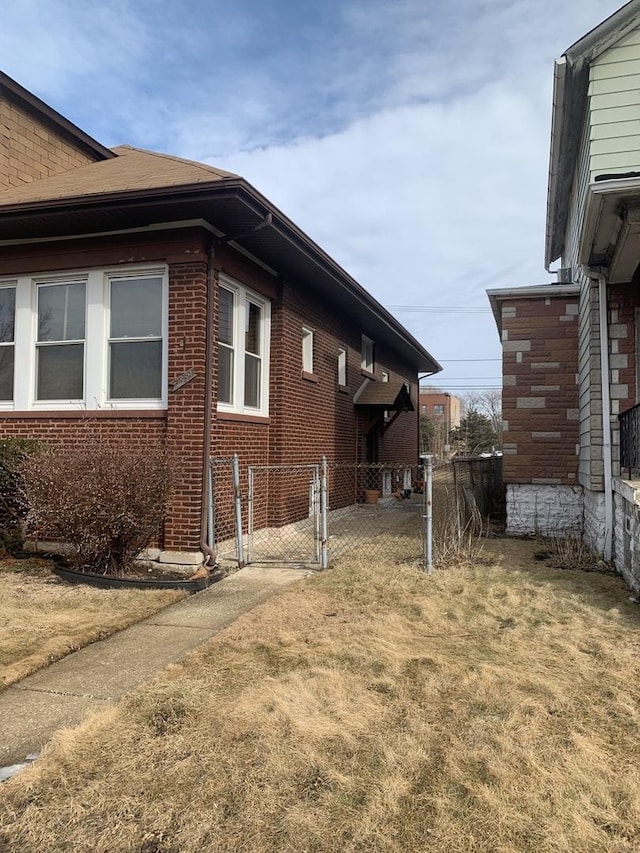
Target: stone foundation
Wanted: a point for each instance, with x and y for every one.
(626, 532)
(545, 510)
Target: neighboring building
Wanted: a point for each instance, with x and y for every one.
(441, 407)
(165, 303)
(571, 350)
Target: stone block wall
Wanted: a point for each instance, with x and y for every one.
(545, 510)
(540, 394)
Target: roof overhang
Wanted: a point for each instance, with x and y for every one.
(610, 236)
(234, 207)
(570, 87)
(535, 291)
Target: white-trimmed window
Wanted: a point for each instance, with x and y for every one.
(307, 349)
(368, 363)
(7, 341)
(385, 376)
(89, 340)
(243, 350)
(342, 366)
(135, 338)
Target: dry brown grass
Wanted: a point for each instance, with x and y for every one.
(43, 619)
(490, 708)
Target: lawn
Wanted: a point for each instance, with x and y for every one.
(43, 618)
(491, 707)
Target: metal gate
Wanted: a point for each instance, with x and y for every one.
(284, 514)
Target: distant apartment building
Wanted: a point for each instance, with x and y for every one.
(441, 407)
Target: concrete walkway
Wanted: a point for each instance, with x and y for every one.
(63, 693)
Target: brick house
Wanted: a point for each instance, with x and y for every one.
(165, 303)
(570, 350)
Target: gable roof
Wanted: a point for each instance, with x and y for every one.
(570, 86)
(28, 99)
(129, 169)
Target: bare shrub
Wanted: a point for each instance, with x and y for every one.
(106, 502)
(570, 552)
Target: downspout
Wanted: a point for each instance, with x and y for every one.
(206, 544)
(606, 406)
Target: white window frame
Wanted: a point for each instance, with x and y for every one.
(368, 359)
(385, 376)
(342, 367)
(244, 296)
(11, 285)
(307, 349)
(96, 341)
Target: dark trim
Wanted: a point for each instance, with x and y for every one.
(310, 377)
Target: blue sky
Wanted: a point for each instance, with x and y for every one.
(410, 139)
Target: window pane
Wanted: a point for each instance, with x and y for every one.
(61, 312)
(342, 367)
(252, 334)
(6, 373)
(7, 313)
(59, 372)
(226, 317)
(252, 381)
(136, 308)
(135, 370)
(225, 375)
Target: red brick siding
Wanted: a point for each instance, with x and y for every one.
(540, 394)
(308, 417)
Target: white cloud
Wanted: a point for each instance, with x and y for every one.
(409, 139)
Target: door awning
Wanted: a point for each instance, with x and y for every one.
(377, 399)
(389, 396)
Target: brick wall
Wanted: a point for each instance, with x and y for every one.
(540, 394)
(309, 415)
(32, 148)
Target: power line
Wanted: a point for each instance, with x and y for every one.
(444, 309)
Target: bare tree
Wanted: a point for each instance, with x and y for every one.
(489, 404)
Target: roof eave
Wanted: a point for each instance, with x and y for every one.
(570, 86)
(533, 291)
(260, 206)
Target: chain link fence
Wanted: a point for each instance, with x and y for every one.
(310, 514)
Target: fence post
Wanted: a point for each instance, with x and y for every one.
(427, 461)
(324, 553)
(235, 467)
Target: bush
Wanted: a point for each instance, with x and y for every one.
(106, 502)
(13, 504)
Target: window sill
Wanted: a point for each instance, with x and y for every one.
(88, 414)
(343, 389)
(241, 418)
(368, 373)
(309, 377)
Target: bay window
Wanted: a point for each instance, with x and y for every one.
(90, 340)
(243, 350)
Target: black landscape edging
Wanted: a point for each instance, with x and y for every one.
(112, 582)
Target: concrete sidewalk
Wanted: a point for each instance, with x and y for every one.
(63, 693)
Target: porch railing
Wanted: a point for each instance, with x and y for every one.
(630, 438)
